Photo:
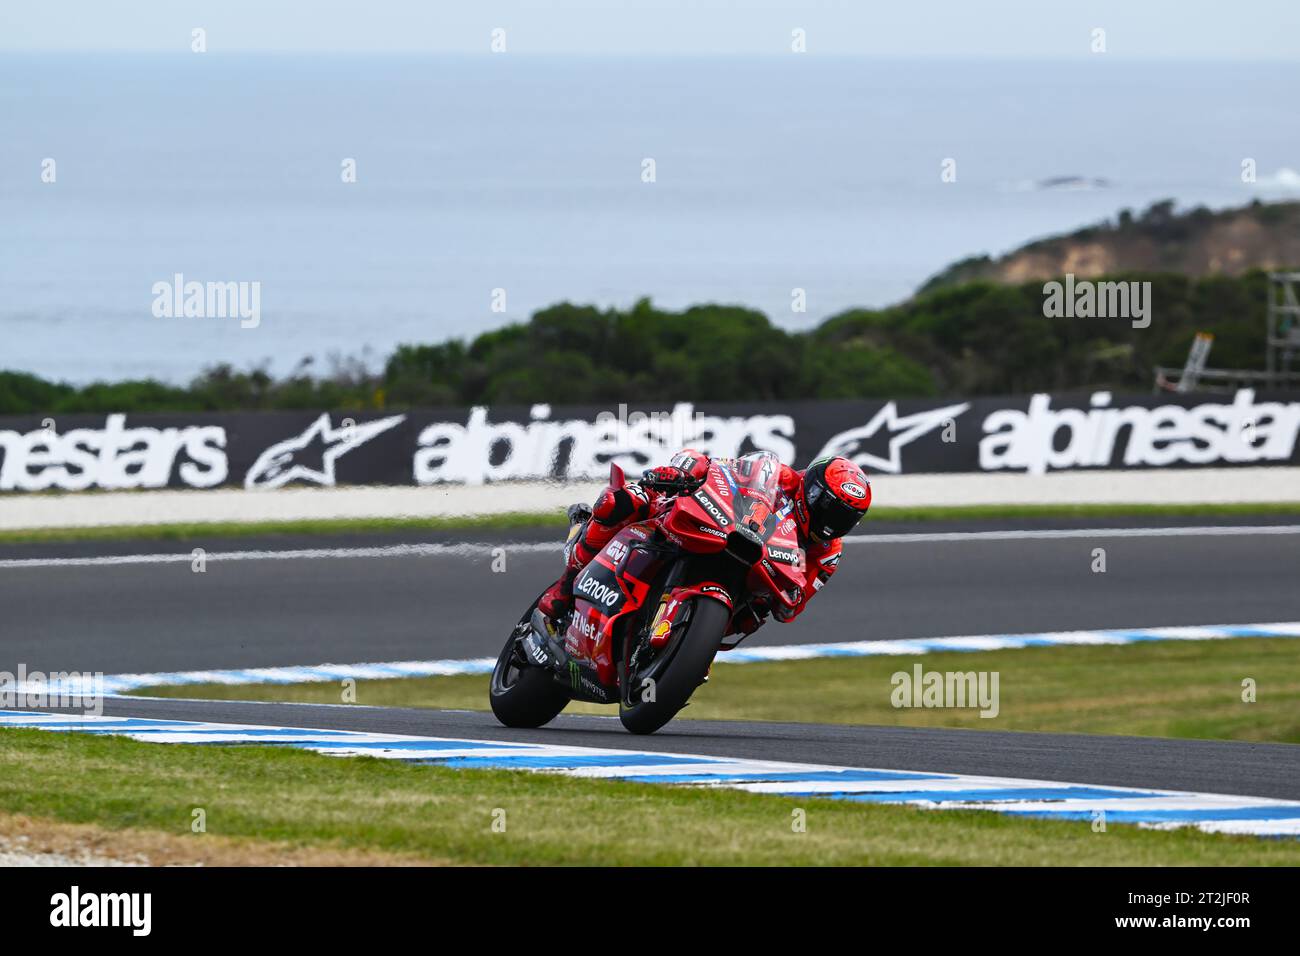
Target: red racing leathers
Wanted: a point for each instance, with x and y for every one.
(614, 509)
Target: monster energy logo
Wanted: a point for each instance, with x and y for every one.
(573, 674)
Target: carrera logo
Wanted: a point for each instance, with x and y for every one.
(713, 531)
(853, 489)
(597, 592)
(714, 510)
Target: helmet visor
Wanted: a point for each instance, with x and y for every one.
(828, 517)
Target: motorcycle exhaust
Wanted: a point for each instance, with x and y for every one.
(539, 644)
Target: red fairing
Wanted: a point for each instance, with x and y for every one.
(671, 604)
(782, 571)
(822, 560)
(614, 584)
(755, 493)
(701, 521)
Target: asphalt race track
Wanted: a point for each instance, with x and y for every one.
(1243, 769)
(80, 607)
(149, 617)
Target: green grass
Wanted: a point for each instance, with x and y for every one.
(1161, 689)
(556, 519)
(310, 800)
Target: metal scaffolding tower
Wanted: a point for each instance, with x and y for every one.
(1280, 347)
(1283, 324)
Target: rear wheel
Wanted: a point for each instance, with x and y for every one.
(523, 694)
(656, 687)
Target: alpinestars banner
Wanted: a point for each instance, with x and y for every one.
(1034, 434)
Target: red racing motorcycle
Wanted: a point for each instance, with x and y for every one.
(654, 606)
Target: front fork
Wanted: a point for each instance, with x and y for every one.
(673, 602)
(672, 614)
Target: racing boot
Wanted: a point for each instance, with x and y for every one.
(558, 598)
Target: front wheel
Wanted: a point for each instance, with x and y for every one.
(655, 690)
(524, 695)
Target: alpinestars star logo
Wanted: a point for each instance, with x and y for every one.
(296, 458)
(901, 431)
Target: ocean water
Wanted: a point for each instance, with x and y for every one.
(525, 174)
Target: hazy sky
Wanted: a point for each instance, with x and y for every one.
(1219, 29)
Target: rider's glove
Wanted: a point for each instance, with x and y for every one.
(668, 476)
(692, 463)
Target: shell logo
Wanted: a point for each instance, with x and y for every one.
(661, 632)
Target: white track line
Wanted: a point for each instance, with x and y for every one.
(1205, 531)
(298, 554)
(479, 549)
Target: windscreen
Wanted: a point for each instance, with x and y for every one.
(758, 476)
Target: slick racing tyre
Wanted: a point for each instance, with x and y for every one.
(523, 694)
(655, 688)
